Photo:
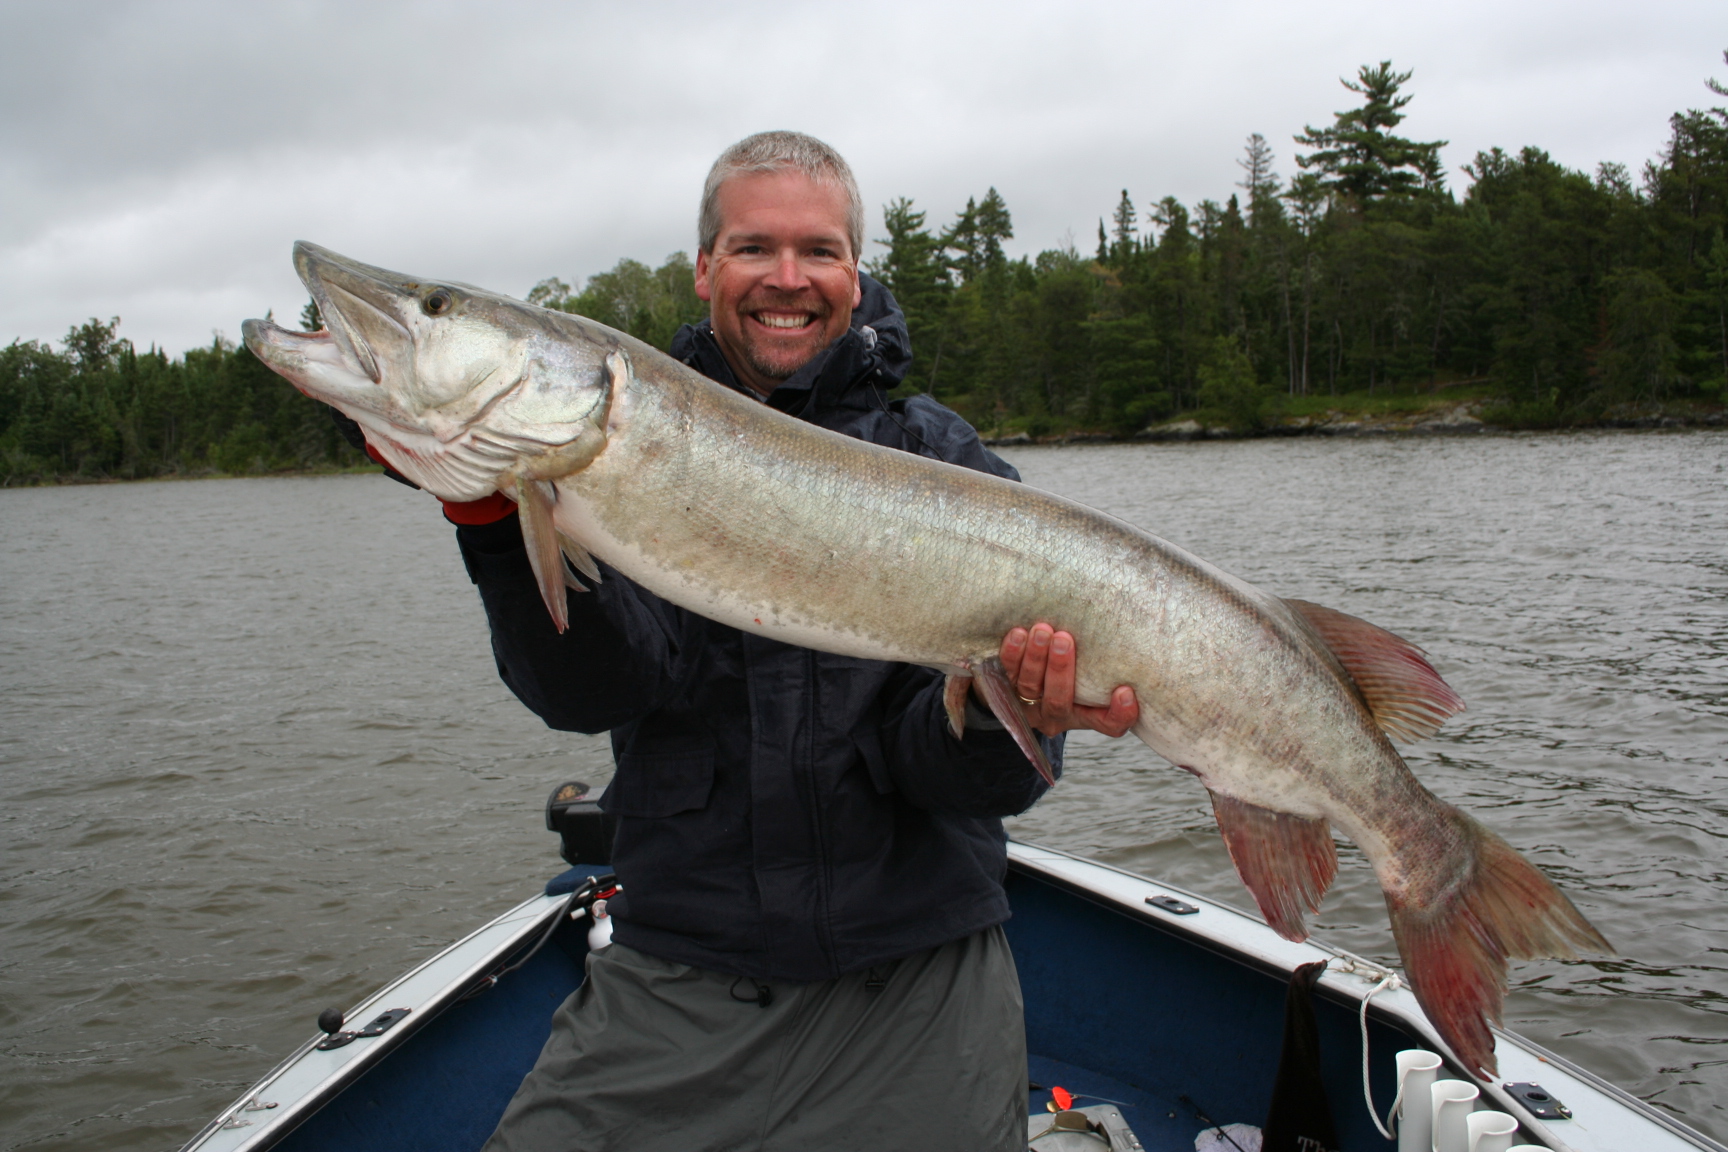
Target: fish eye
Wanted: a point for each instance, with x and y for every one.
(438, 302)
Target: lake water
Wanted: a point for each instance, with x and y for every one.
(256, 759)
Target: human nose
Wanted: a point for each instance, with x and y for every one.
(788, 274)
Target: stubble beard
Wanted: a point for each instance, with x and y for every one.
(784, 366)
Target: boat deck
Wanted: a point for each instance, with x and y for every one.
(1169, 1014)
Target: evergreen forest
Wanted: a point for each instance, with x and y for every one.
(1558, 297)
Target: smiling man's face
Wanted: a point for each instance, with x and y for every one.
(782, 279)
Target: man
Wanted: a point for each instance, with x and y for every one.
(807, 952)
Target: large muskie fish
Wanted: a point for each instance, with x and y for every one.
(766, 523)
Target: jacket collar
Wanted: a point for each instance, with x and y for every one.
(874, 354)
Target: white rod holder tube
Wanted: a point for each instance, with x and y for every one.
(1454, 1100)
(1417, 1071)
(1490, 1131)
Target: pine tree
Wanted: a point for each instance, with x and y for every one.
(962, 239)
(914, 270)
(994, 226)
(1261, 181)
(1357, 155)
(1126, 229)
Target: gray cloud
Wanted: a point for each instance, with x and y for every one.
(156, 160)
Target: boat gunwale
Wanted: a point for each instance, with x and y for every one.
(1400, 1010)
(1394, 1007)
(532, 920)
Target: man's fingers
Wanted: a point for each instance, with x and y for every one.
(1115, 718)
(1013, 652)
(1123, 712)
(1030, 680)
(1059, 676)
(1040, 662)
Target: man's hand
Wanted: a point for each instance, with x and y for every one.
(1040, 665)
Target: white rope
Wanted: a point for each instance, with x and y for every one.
(1393, 1119)
(1387, 981)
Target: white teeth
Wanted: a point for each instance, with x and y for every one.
(783, 321)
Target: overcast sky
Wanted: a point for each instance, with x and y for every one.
(158, 159)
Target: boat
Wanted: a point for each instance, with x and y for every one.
(1165, 1010)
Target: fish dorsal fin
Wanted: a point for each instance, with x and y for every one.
(534, 500)
(1286, 861)
(1406, 695)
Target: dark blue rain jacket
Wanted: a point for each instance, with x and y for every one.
(784, 814)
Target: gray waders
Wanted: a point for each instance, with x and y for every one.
(923, 1053)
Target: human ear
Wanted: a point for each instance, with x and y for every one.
(703, 268)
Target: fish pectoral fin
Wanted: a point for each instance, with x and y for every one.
(1286, 861)
(1408, 698)
(579, 558)
(1005, 704)
(955, 690)
(534, 501)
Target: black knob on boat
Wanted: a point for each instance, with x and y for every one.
(330, 1020)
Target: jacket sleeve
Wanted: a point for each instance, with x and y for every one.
(620, 659)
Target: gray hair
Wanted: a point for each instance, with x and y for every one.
(780, 152)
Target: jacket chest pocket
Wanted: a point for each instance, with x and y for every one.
(663, 781)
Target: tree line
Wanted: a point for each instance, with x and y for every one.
(99, 408)
(1565, 293)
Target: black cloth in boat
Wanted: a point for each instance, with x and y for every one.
(783, 813)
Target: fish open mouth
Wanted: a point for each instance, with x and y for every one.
(363, 332)
(358, 304)
(313, 361)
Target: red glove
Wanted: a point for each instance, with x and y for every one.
(486, 510)
(468, 513)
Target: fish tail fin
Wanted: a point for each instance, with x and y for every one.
(1286, 861)
(1455, 948)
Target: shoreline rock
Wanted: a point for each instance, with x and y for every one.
(1459, 420)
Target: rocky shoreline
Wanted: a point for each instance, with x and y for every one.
(1458, 420)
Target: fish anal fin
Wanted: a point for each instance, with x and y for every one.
(534, 504)
(1005, 704)
(1407, 696)
(955, 689)
(579, 558)
(1455, 947)
(1286, 861)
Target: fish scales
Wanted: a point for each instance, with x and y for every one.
(767, 523)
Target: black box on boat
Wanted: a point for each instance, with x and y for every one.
(584, 832)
